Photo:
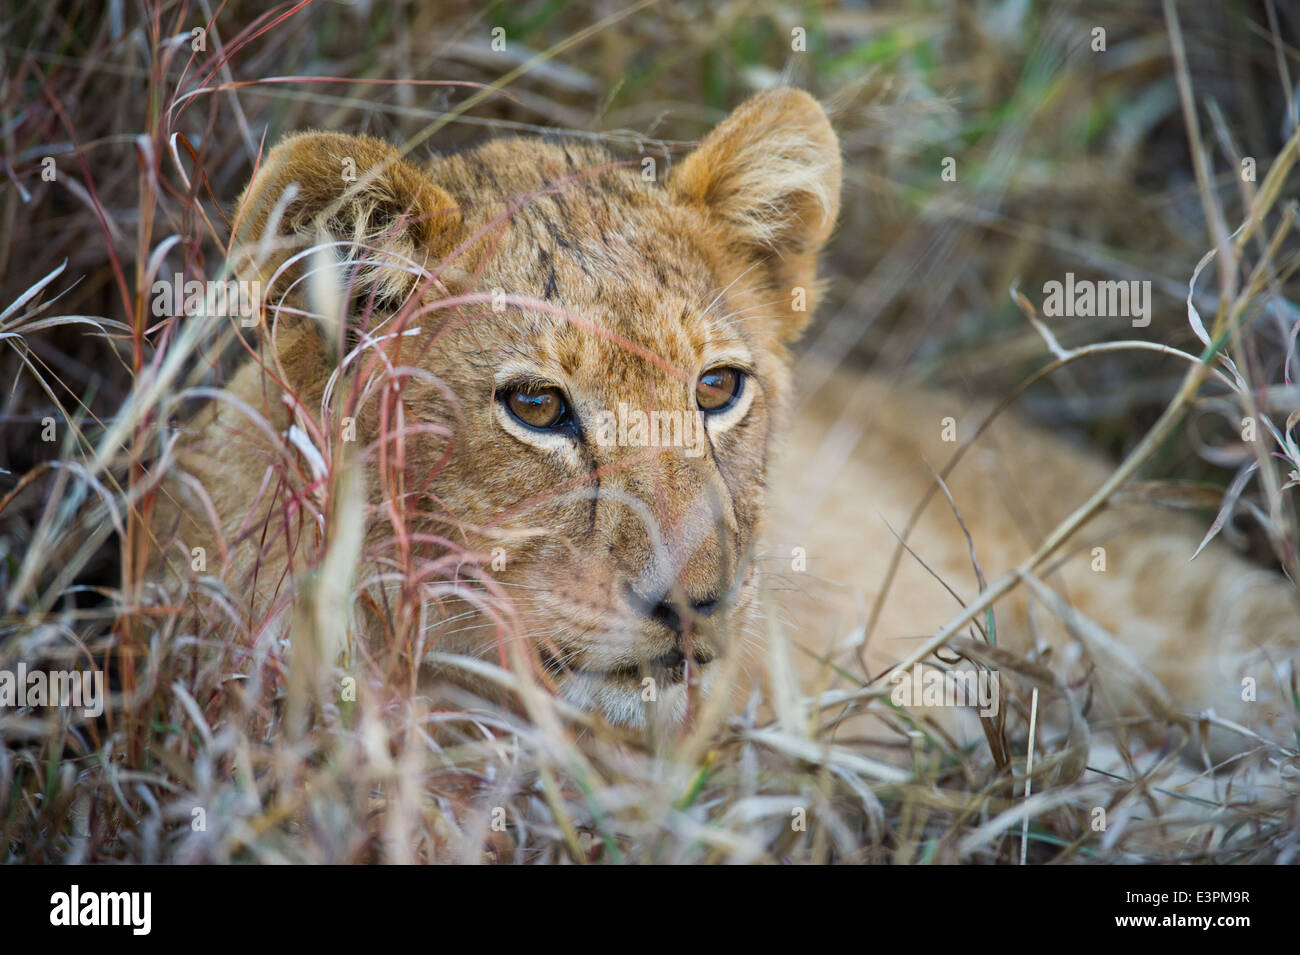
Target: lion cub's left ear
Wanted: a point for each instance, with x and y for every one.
(769, 176)
(359, 195)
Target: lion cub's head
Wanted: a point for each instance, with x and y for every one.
(592, 364)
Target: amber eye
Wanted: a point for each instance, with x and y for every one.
(541, 408)
(718, 388)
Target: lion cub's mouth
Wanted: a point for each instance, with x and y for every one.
(668, 668)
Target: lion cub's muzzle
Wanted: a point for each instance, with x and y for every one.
(687, 620)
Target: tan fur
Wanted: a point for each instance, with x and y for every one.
(642, 287)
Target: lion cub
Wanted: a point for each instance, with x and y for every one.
(562, 395)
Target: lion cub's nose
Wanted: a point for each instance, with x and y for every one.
(668, 612)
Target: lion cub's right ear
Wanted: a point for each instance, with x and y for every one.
(384, 212)
(769, 176)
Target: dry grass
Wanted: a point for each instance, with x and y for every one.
(1069, 162)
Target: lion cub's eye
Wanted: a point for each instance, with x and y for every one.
(718, 389)
(541, 408)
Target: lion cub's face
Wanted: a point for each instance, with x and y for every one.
(608, 352)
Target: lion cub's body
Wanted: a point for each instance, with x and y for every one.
(859, 463)
(566, 268)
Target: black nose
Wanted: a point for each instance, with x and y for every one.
(668, 612)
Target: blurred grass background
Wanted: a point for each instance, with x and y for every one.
(1067, 159)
